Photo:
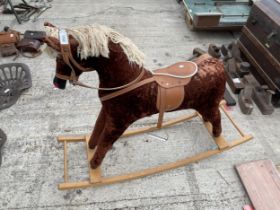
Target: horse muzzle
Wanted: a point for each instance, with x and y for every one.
(59, 83)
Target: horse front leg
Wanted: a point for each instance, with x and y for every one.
(109, 135)
(98, 128)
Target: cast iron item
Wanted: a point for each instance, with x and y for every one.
(3, 139)
(196, 53)
(214, 51)
(245, 100)
(261, 95)
(276, 99)
(243, 68)
(235, 67)
(262, 98)
(24, 11)
(14, 78)
(234, 81)
(229, 99)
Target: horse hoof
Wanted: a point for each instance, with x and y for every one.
(94, 164)
(216, 134)
(91, 146)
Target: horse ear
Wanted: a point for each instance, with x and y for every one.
(114, 47)
(52, 42)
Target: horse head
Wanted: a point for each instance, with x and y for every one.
(63, 70)
(89, 47)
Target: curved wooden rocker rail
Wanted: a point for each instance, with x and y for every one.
(95, 176)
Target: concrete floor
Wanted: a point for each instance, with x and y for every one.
(33, 159)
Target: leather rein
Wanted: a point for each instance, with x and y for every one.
(66, 54)
(65, 51)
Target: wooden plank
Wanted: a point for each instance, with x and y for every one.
(131, 132)
(221, 142)
(94, 174)
(154, 170)
(262, 182)
(139, 130)
(154, 127)
(77, 138)
(232, 121)
(65, 162)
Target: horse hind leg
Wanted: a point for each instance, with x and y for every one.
(214, 117)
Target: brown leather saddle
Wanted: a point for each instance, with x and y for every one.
(171, 86)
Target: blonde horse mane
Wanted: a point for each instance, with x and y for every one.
(93, 41)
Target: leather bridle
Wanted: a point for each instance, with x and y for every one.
(65, 51)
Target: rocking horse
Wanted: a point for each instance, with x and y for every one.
(129, 92)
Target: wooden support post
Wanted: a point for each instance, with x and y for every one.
(71, 138)
(65, 162)
(94, 174)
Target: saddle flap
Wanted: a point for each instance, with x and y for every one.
(178, 74)
(170, 99)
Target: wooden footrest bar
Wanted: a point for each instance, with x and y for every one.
(96, 178)
(94, 174)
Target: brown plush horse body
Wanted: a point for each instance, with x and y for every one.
(203, 93)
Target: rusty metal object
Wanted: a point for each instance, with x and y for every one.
(3, 139)
(196, 53)
(235, 67)
(245, 100)
(229, 99)
(243, 68)
(225, 53)
(233, 80)
(235, 51)
(214, 51)
(14, 78)
(261, 95)
(262, 98)
(276, 100)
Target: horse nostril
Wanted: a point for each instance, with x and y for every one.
(59, 83)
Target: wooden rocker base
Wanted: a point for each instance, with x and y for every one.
(95, 176)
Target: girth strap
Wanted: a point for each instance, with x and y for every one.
(127, 89)
(161, 98)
